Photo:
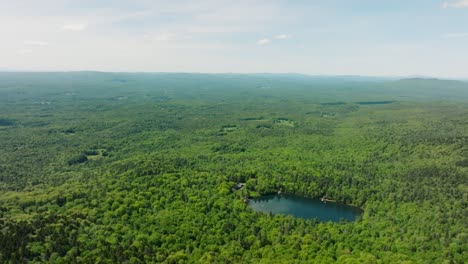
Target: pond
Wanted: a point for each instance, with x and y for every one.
(304, 207)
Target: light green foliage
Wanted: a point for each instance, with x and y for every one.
(163, 152)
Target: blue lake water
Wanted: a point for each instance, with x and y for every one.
(304, 207)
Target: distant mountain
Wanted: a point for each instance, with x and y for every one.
(427, 80)
(430, 83)
(316, 88)
(426, 88)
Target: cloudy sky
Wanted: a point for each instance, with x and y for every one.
(333, 37)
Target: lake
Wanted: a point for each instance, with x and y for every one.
(304, 207)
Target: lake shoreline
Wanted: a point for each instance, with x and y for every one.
(304, 196)
(304, 207)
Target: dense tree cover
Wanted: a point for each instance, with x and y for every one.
(110, 168)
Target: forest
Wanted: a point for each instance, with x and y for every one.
(140, 167)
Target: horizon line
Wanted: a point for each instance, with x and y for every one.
(409, 76)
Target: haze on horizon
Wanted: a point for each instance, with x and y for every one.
(359, 37)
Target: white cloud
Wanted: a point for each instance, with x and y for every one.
(283, 36)
(35, 43)
(74, 27)
(456, 35)
(263, 42)
(455, 4)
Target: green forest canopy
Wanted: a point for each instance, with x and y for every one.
(121, 167)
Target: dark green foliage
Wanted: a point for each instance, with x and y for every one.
(375, 102)
(252, 118)
(91, 152)
(229, 148)
(78, 159)
(69, 131)
(6, 122)
(163, 152)
(462, 163)
(282, 119)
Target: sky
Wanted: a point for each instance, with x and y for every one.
(317, 37)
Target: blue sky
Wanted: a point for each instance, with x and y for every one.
(347, 37)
